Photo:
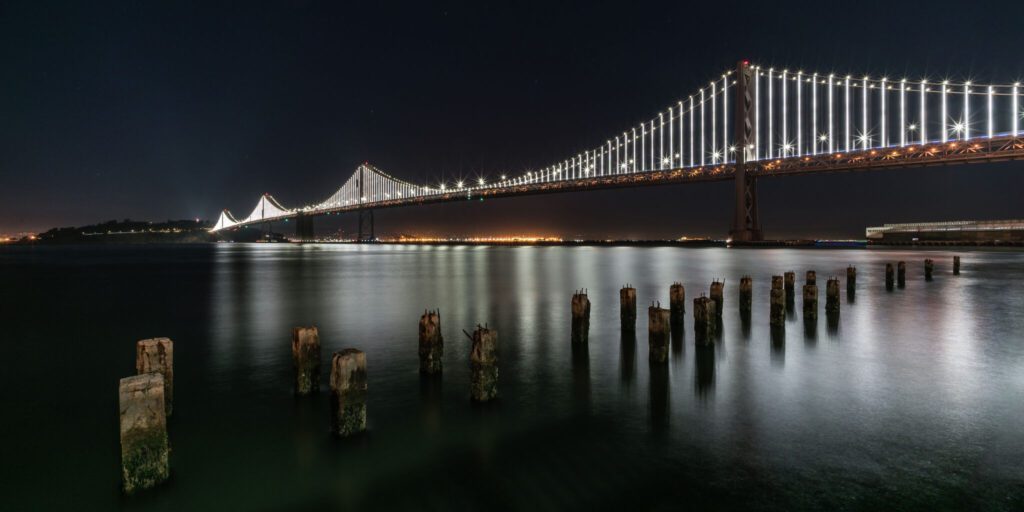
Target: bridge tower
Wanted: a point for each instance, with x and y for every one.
(745, 225)
(365, 214)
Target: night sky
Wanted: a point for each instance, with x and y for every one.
(147, 111)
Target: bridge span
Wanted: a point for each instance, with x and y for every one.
(750, 123)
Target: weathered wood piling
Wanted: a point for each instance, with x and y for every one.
(890, 276)
(580, 330)
(901, 274)
(746, 294)
(929, 266)
(716, 294)
(658, 330)
(677, 304)
(627, 308)
(348, 392)
(790, 278)
(704, 320)
(145, 455)
(431, 343)
(811, 277)
(306, 359)
(777, 298)
(156, 355)
(832, 296)
(810, 301)
(851, 278)
(956, 265)
(483, 362)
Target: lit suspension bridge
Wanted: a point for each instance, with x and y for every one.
(749, 123)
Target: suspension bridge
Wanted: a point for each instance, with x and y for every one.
(751, 122)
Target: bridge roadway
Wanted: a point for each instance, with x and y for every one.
(999, 148)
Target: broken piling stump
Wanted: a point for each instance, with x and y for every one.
(627, 308)
(716, 295)
(348, 392)
(580, 330)
(812, 277)
(777, 301)
(658, 330)
(832, 296)
(901, 274)
(144, 449)
(890, 276)
(306, 359)
(156, 355)
(810, 301)
(431, 343)
(746, 294)
(677, 304)
(790, 278)
(851, 278)
(483, 361)
(956, 265)
(704, 320)
(929, 266)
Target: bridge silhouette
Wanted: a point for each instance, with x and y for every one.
(751, 122)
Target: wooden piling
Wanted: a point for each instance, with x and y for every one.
(483, 362)
(627, 308)
(145, 456)
(658, 330)
(580, 330)
(306, 359)
(890, 277)
(929, 266)
(790, 280)
(851, 278)
(777, 301)
(812, 277)
(716, 295)
(156, 355)
(704, 320)
(810, 301)
(901, 274)
(956, 265)
(431, 343)
(746, 294)
(677, 304)
(832, 296)
(348, 392)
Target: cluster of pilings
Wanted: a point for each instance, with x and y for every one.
(900, 278)
(146, 399)
(145, 402)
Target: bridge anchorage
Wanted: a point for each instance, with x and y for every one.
(749, 124)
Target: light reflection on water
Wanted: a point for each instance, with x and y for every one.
(917, 388)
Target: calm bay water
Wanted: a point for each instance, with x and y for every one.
(912, 402)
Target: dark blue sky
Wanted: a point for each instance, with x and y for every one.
(176, 110)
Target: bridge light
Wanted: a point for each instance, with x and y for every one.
(503, 176)
(459, 184)
(912, 127)
(480, 181)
